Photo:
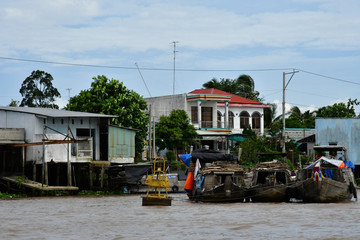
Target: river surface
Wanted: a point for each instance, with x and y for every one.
(123, 217)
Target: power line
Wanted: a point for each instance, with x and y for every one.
(143, 80)
(178, 69)
(145, 68)
(313, 94)
(333, 78)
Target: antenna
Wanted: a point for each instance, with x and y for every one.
(143, 79)
(174, 42)
(69, 89)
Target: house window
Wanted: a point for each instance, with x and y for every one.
(231, 120)
(81, 121)
(62, 121)
(72, 121)
(219, 119)
(194, 115)
(206, 117)
(255, 122)
(53, 120)
(244, 120)
(44, 120)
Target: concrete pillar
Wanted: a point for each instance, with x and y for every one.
(262, 124)
(199, 112)
(226, 114)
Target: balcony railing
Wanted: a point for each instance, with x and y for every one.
(206, 124)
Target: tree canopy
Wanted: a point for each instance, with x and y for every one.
(243, 86)
(113, 98)
(339, 110)
(175, 131)
(37, 91)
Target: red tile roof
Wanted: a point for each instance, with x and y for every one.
(234, 98)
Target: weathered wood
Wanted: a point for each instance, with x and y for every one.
(102, 176)
(34, 172)
(39, 186)
(46, 174)
(91, 176)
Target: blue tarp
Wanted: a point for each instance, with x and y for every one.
(185, 158)
(349, 164)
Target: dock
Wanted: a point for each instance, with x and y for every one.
(36, 188)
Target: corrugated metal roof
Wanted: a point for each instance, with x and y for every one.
(50, 112)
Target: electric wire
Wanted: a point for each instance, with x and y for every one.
(179, 69)
(144, 68)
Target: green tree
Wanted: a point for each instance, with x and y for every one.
(13, 103)
(175, 131)
(254, 145)
(338, 110)
(243, 86)
(37, 91)
(269, 114)
(113, 98)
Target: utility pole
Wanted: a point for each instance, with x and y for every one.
(154, 144)
(69, 89)
(174, 42)
(149, 145)
(283, 107)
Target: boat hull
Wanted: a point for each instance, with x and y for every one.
(277, 193)
(221, 194)
(156, 201)
(325, 191)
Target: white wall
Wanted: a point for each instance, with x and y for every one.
(34, 126)
(162, 106)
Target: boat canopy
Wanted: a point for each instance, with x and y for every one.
(206, 156)
(337, 163)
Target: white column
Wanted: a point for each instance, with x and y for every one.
(199, 112)
(226, 114)
(262, 124)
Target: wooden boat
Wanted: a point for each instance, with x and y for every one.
(271, 182)
(220, 182)
(327, 179)
(156, 182)
(216, 177)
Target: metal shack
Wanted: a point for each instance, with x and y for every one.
(76, 137)
(342, 131)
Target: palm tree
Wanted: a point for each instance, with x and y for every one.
(246, 87)
(243, 86)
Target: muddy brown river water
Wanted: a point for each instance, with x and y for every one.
(123, 217)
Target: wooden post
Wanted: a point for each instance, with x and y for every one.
(90, 176)
(102, 176)
(4, 161)
(57, 175)
(34, 172)
(46, 174)
(68, 165)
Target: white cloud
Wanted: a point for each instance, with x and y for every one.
(61, 102)
(278, 104)
(56, 27)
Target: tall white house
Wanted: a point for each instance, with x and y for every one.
(219, 117)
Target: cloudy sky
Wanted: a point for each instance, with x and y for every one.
(214, 39)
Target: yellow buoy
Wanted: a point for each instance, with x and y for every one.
(158, 181)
